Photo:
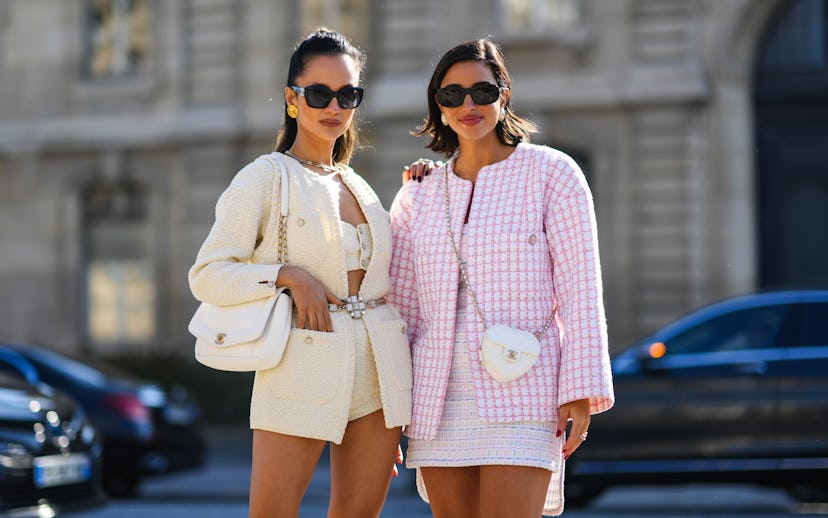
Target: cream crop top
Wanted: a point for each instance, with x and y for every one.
(358, 245)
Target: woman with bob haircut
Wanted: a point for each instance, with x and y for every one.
(503, 234)
(345, 377)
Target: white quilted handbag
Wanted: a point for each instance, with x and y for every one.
(250, 336)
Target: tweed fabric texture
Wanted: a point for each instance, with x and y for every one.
(531, 249)
(463, 439)
(311, 397)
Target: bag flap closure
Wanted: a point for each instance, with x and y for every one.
(514, 339)
(226, 326)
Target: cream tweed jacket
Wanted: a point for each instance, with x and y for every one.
(309, 393)
(533, 250)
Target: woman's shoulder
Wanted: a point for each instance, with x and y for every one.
(413, 194)
(429, 185)
(259, 173)
(548, 156)
(557, 168)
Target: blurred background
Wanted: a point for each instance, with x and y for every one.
(702, 127)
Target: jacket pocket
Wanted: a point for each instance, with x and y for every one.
(311, 368)
(396, 354)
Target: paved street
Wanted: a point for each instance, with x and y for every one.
(220, 490)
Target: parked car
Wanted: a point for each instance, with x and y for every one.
(145, 429)
(734, 392)
(49, 451)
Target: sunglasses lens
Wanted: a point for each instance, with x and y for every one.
(482, 94)
(485, 94)
(318, 96)
(349, 98)
(450, 97)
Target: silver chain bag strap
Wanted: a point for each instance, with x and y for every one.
(506, 353)
(251, 336)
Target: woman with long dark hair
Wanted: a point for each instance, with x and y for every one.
(345, 377)
(495, 268)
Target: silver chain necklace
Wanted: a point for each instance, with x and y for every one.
(448, 171)
(325, 167)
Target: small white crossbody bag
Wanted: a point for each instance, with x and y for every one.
(506, 353)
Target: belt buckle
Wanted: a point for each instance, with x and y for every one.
(355, 307)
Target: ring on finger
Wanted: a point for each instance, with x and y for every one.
(583, 436)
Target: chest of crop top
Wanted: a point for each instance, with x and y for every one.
(358, 245)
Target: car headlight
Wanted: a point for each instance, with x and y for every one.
(87, 434)
(14, 455)
(152, 396)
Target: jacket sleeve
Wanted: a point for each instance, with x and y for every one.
(223, 274)
(573, 242)
(403, 292)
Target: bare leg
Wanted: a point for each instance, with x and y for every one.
(486, 491)
(361, 467)
(453, 492)
(514, 491)
(282, 469)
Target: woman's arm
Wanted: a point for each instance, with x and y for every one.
(403, 292)
(573, 242)
(222, 274)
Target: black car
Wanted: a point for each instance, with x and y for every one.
(145, 430)
(49, 452)
(734, 392)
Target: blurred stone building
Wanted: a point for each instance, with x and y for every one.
(702, 126)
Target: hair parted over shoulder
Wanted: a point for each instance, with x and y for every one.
(512, 130)
(321, 42)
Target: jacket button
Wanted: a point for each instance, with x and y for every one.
(300, 222)
(364, 263)
(403, 329)
(308, 340)
(533, 239)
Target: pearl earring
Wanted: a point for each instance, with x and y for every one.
(443, 118)
(502, 115)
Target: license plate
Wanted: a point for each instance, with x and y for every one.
(59, 470)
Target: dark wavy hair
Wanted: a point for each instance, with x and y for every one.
(321, 42)
(512, 130)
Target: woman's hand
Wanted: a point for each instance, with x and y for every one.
(310, 297)
(417, 170)
(397, 460)
(578, 413)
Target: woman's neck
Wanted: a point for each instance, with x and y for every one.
(313, 149)
(475, 154)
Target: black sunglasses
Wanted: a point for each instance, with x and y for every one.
(319, 96)
(452, 96)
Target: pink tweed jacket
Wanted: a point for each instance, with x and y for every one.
(531, 249)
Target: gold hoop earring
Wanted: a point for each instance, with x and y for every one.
(292, 111)
(443, 118)
(502, 115)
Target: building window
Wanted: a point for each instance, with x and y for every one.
(119, 273)
(118, 38)
(541, 15)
